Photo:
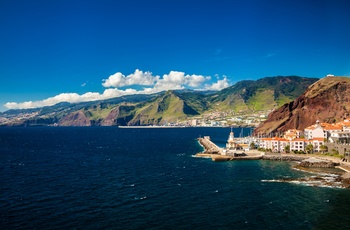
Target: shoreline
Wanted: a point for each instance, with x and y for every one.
(306, 163)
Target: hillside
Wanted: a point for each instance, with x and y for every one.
(261, 95)
(327, 100)
(244, 97)
(169, 107)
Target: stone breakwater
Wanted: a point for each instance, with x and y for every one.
(282, 158)
(209, 147)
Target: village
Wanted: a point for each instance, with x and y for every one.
(321, 138)
(333, 139)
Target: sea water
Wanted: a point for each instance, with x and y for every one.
(113, 178)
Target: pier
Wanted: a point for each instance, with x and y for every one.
(216, 153)
(209, 146)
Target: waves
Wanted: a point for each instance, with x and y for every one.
(66, 178)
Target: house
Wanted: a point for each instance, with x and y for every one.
(340, 137)
(293, 133)
(298, 144)
(317, 135)
(317, 142)
(276, 144)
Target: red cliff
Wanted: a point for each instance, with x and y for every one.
(327, 100)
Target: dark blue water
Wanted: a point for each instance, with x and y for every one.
(110, 178)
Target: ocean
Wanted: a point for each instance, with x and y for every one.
(114, 178)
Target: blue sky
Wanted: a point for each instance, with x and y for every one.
(53, 51)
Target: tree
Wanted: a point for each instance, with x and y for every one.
(287, 148)
(309, 148)
(323, 148)
(252, 145)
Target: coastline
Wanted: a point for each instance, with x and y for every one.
(306, 162)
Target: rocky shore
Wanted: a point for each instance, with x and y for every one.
(307, 163)
(318, 164)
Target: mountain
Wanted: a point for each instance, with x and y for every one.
(261, 95)
(327, 100)
(169, 107)
(244, 97)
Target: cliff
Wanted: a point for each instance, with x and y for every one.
(327, 100)
(75, 119)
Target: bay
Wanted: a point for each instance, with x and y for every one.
(113, 178)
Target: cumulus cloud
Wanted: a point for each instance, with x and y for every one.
(219, 85)
(137, 78)
(174, 80)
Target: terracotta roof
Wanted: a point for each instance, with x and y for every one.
(311, 127)
(317, 139)
(299, 139)
(274, 139)
(333, 128)
(345, 123)
(290, 134)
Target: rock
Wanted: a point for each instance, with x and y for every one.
(75, 119)
(327, 100)
(282, 158)
(318, 164)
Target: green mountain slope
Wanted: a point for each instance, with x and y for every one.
(244, 97)
(169, 107)
(261, 95)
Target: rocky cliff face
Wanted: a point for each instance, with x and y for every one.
(327, 100)
(75, 119)
(111, 118)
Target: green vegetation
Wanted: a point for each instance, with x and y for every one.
(252, 145)
(323, 148)
(283, 99)
(97, 112)
(261, 100)
(287, 148)
(245, 97)
(309, 148)
(261, 95)
(298, 152)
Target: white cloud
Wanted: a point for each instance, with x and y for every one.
(219, 85)
(115, 80)
(175, 80)
(137, 78)
(171, 81)
(196, 80)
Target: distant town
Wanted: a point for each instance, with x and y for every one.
(210, 119)
(227, 119)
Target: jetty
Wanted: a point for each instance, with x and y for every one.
(216, 153)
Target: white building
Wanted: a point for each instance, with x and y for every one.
(194, 122)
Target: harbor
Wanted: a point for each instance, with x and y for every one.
(235, 149)
(330, 172)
